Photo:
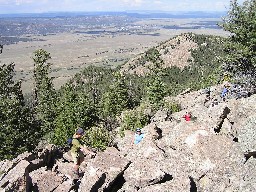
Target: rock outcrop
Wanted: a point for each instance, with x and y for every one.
(215, 151)
(175, 52)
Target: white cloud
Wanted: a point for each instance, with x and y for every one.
(16, 2)
(133, 3)
(20, 2)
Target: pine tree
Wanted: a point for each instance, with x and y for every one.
(241, 45)
(156, 90)
(116, 99)
(17, 133)
(45, 96)
(74, 109)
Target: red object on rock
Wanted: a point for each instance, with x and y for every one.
(187, 117)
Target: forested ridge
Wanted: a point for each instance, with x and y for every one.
(107, 101)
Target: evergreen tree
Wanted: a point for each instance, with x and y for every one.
(241, 45)
(45, 96)
(156, 90)
(74, 110)
(153, 55)
(116, 99)
(17, 134)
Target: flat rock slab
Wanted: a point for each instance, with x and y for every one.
(44, 180)
(103, 170)
(15, 175)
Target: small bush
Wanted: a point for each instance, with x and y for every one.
(172, 106)
(132, 119)
(98, 137)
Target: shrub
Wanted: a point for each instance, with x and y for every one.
(131, 119)
(98, 137)
(173, 107)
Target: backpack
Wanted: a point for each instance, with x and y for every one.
(69, 142)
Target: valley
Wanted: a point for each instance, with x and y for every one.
(76, 42)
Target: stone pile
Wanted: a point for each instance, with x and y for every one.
(215, 151)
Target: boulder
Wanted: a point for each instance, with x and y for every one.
(165, 126)
(243, 119)
(146, 158)
(147, 148)
(240, 111)
(65, 186)
(247, 136)
(152, 132)
(227, 129)
(28, 156)
(143, 173)
(177, 184)
(5, 166)
(185, 134)
(194, 152)
(160, 116)
(125, 143)
(103, 170)
(64, 168)
(219, 164)
(15, 178)
(248, 182)
(217, 114)
(44, 180)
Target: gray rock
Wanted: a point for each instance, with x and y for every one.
(177, 184)
(217, 114)
(195, 152)
(146, 158)
(44, 180)
(220, 164)
(103, 170)
(5, 166)
(128, 187)
(64, 168)
(65, 186)
(143, 173)
(207, 153)
(227, 129)
(47, 155)
(249, 176)
(247, 135)
(160, 116)
(15, 178)
(240, 111)
(124, 144)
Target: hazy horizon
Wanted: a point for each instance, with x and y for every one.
(47, 6)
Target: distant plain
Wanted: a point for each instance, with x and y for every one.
(101, 45)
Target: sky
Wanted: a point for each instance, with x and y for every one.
(41, 6)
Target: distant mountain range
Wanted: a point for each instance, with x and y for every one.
(135, 13)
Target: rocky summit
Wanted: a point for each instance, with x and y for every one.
(215, 151)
